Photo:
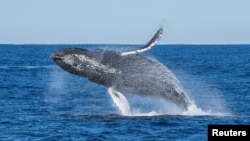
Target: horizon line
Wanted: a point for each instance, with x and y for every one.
(160, 44)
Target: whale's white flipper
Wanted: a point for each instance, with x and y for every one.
(120, 101)
(148, 46)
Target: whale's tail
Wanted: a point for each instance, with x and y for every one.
(148, 46)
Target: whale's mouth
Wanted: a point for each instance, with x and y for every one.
(55, 56)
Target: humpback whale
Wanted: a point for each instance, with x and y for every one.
(125, 72)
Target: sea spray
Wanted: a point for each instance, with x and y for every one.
(56, 86)
(205, 95)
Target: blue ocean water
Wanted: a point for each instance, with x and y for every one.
(40, 101)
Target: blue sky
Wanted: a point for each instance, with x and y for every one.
(124, 21)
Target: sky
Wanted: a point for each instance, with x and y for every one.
(124, 21)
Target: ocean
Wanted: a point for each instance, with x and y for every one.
(40, 101)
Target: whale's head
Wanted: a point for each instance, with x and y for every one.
(84, 63)
(73, 60)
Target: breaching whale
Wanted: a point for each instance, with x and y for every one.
(125, 72)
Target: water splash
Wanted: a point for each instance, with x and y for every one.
(193, 110)
(161, 107)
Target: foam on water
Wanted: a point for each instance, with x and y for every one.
(193, 110)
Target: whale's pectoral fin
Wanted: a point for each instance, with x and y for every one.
(120, 101)
(148, 46)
